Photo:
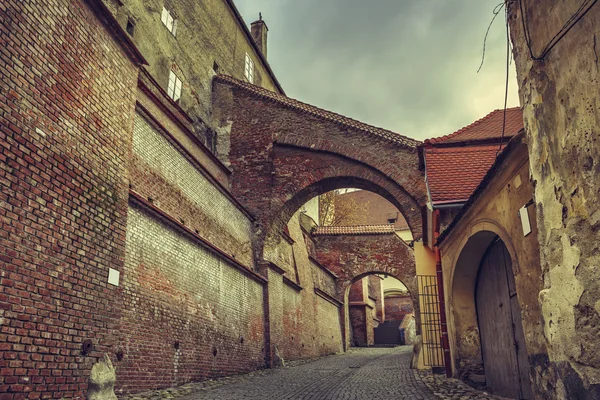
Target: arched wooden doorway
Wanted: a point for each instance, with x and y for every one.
(501, 331)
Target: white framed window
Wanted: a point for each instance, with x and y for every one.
(249, 69)
(168, 20)
(174, 88)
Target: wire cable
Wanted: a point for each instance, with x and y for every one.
(507, 76)
(496, 11)
(585, 6)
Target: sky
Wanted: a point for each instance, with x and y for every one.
(405, 65)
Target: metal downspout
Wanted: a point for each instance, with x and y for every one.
(440, 284)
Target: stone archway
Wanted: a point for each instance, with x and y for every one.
(475, 281)
(352, 257)
(283, 152)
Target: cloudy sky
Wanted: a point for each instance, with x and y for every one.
(405, 65)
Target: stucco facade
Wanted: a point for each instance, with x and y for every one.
(493, 213)
(559, 90)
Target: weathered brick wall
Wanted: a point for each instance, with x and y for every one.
(376, 293)
(310, 324)
(322, 278)
(177, 186)
(329, 332)
(361, 320)
(282, 157)
(188, 314)
(66, 116)
(561, 97)
(396, 307)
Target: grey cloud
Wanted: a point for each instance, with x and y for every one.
(408, 66)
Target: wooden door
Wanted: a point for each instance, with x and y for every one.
(499, 316)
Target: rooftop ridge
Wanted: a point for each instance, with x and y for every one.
(320, 112)
(453, 135)
(381, 229)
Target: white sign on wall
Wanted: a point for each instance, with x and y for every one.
(524, 215)
(113, 276)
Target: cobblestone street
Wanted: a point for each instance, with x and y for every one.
(365, 373)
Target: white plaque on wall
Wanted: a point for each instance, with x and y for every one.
(113, 276)
(524, 214)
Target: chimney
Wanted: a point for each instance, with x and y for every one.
(259, 33)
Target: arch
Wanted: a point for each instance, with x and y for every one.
(465, 340)
(352, 257)
(345, 287)
(283, 152)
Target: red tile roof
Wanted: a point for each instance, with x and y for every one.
(319, 112)
(453, 173)
(354, 230)
(488, 127)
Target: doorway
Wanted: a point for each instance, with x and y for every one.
(503, 349)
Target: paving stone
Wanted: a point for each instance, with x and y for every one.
(366, 373)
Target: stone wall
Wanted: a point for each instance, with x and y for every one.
(561, 97)
(66, 118)
(208, 32)
(495, 215)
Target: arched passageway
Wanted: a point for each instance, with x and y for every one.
(374, 321)
(488, 337)
(283, 152)
(352, 257)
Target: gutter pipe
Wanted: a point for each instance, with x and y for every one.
(440, 284)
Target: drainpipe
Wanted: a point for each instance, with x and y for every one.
(440, 284)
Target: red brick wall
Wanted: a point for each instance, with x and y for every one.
(282, 157)
(396, 307)
(66, 117)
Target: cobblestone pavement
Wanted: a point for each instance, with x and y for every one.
(360, 374)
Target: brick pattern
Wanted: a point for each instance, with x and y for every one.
(175, 185)
(187, 314)
(282, 157)
(323, 280)
(66, 113)
(396, 307)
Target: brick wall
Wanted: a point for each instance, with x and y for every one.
(66, 115)
(177, 186)
(308, 323)
(396, 307)
(188, 314)
(282, 157)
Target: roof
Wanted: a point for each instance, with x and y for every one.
(454, 172)
(499, 161)
(319, 112)
(455, 164)
(486, 128)
(354, 230)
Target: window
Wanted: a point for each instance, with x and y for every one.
(249, 69)
(168, 20)
(216, 67)
(130, 27)
(392, 220)
(174, 89)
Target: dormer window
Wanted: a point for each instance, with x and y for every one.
(249, 69)
(174, 88)
(168, 20)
